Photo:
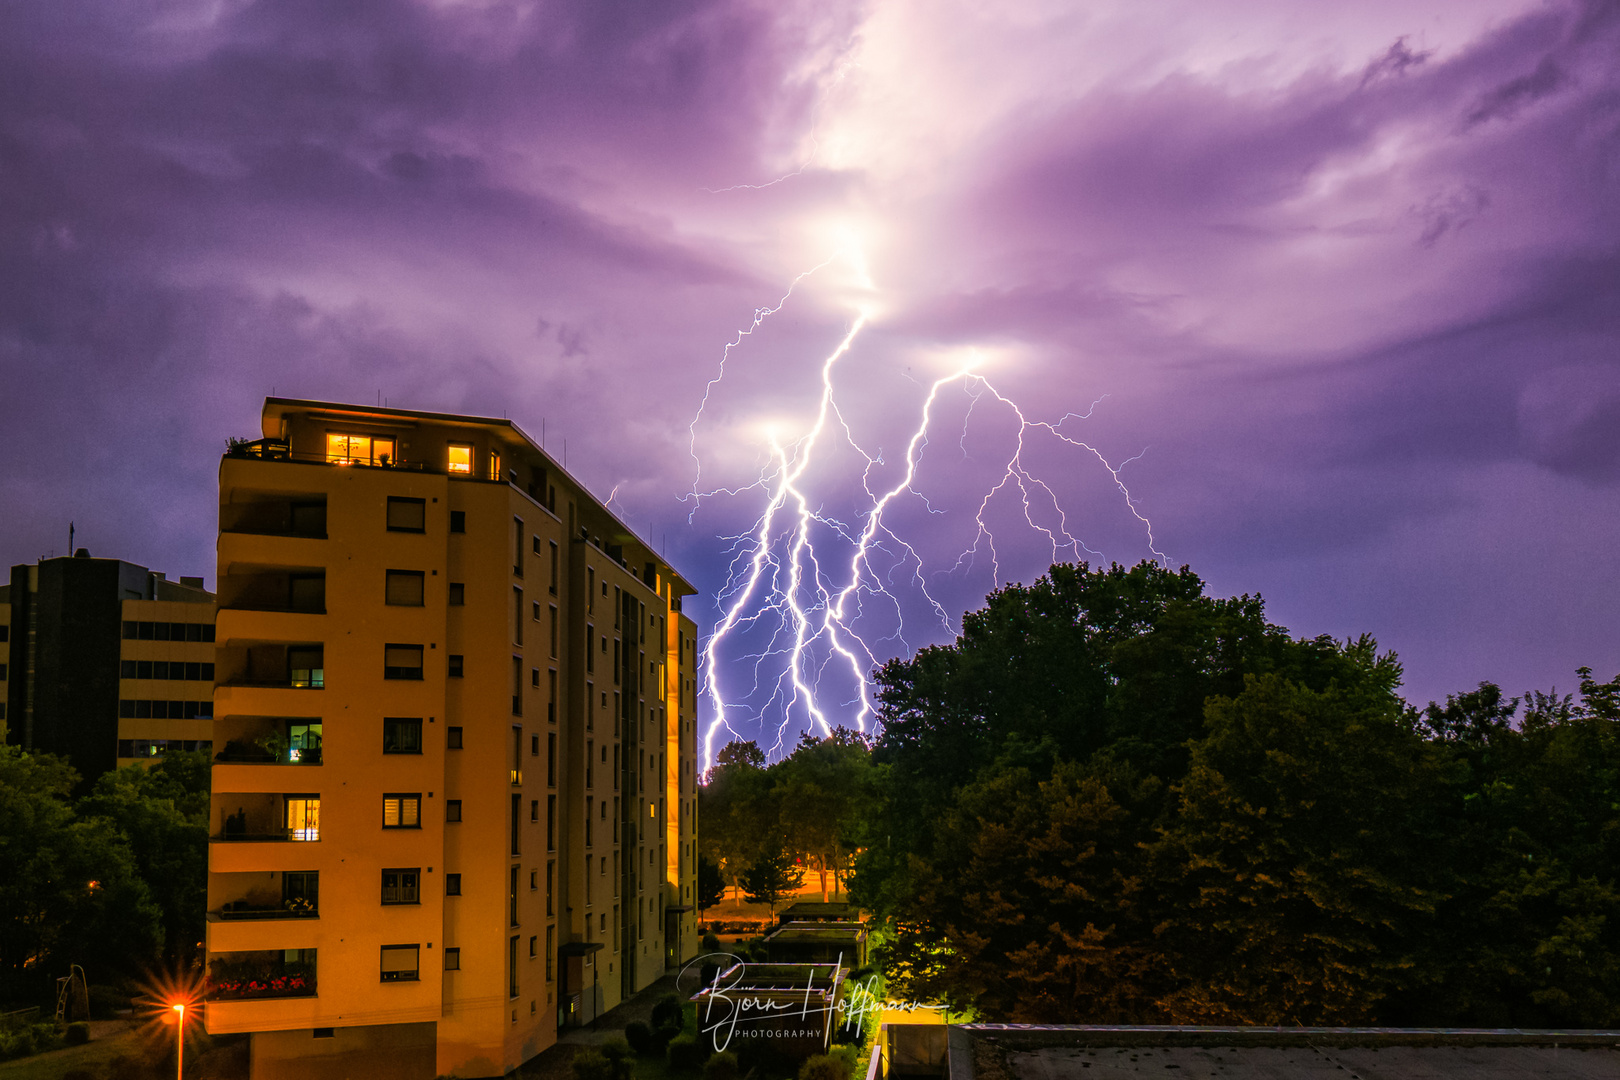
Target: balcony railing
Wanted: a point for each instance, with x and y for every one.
(240, 753)
(291, 909)
(274, 836)
(247, 976)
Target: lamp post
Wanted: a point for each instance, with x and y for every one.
(179, 1040)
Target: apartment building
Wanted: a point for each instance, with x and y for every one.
(105, 662)
(454, 808)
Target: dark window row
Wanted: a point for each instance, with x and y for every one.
(168, 631)
(144, 709)
(165, 669)
(140, 748)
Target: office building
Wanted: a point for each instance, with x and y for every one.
(454, 804)
(105, 662)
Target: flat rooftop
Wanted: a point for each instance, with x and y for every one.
(992, 1052)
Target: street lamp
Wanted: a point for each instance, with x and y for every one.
(179, 1040)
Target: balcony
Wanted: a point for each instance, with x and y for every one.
(267, 818)
(281, 894)
(270, 973)
(274, 514)
(260, 740)
(272, 665)
(292, 590)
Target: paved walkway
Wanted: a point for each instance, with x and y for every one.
(554, 1062)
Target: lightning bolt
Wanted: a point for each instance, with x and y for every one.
(798, 631)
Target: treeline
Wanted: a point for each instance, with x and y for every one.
(1115, 799)
(115, 881)
(758, 824)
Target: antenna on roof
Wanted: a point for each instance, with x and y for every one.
(70, 536)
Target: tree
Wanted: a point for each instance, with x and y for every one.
(162, 812)
(773, 877)
(70, 892)
(711, 884)
(736, 809)
(824, 792)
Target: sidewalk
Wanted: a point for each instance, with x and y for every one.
(554, 1063)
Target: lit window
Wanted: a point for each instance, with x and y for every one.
(347, 449)
(306, 668)
(460, 459)
(359, 450)
(303, 817)
(402, 811)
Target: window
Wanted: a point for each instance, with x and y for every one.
(517, 686)
(494, 466)
(550, 933)
(458, 521)
(534, 945)
(590, 590)
(515, 831)
(402, 661)
(303, 820)
(458, 594)
(402, 811)
(534, 740)
(452, 740)
(452, 884)
(534, 678)
(554, 631)
(512, 968)
(402, 735)
(301, 891)
(359, 450)
(517, 616)
(404, 588)
(534, 881)
(459, 459)
(551, 759)
(512, 898)
(401, 886)
(306, 667)
(534, 611)
(399, 963)
(452, 810)
(323, 1033)
(588, 809)
(551, 823)
(556, 566)
(551, 881)
(455, 666)
(407, 515)
(590, 653)
(307, 593)
(452, 959)
(534, 810)
(551, 698)
(517, 540)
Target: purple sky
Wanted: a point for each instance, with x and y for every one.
(1345, 276)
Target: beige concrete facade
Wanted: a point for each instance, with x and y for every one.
(459, 795)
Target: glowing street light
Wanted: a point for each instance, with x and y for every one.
(179, 1040)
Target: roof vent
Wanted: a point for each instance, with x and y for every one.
(82, 553)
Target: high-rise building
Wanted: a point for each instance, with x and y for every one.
(454, 808)
(105, 662)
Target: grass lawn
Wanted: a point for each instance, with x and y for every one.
(91, 1057)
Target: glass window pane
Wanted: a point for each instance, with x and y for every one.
(460, 459)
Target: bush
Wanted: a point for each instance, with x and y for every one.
(639, 1037)
(708, 972)
(687, 1052)
(592, 1065)
(78, 1034)
(833, 1066)
(722, 1066)
(711, 943)
(617, 1051)
(105, 1001)
(667, 1012)
(28, 1040)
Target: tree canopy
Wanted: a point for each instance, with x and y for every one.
(1116, 799)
